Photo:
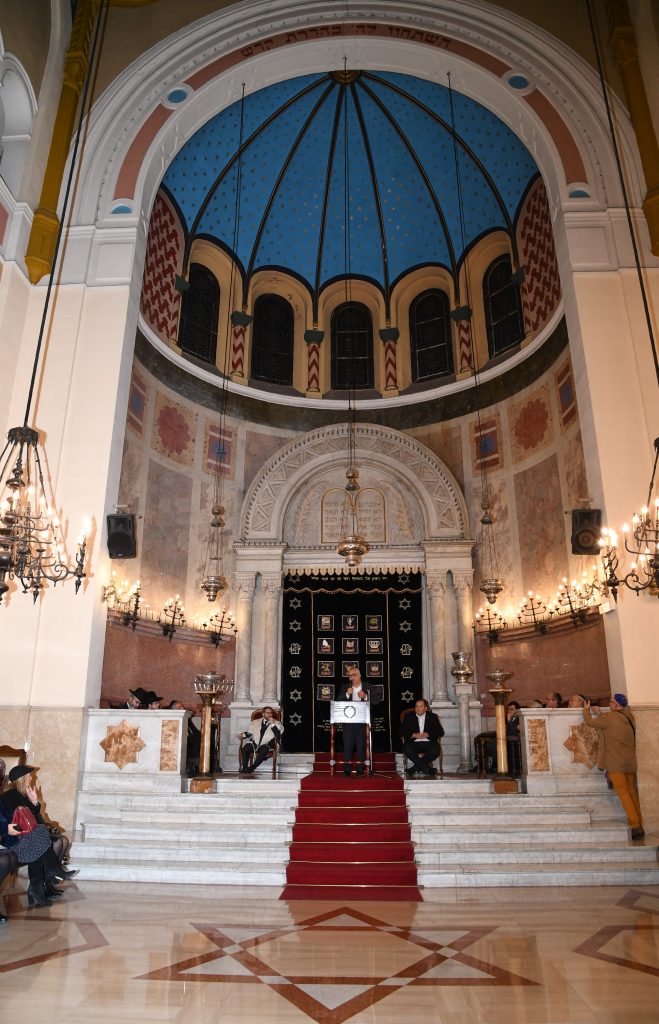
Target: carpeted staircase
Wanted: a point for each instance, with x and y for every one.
(351, 837)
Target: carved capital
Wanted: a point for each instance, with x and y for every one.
(245, 584)
(436, 584)
(463, 582)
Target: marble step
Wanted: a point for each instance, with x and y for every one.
(152, 851)
(485, 818)
(488, 875)
(442, 855)
(189, 873)
(233, 815)
(238, 834)
(537, 834)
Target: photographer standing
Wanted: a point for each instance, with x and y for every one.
(617, 755)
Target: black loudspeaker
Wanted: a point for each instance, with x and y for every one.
(121, 536)
(586, 527)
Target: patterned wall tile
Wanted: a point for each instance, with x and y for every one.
(174, 430)
(541, 292)
(220, 445)
(159, 301)
(567, 397)
(446, 442)
(531, 424)
(486, 444)
(137, 402)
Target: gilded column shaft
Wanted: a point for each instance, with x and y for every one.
(622, 41)
(41, 245)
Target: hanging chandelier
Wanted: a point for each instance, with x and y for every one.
(214, 581)
(641, 541)
(352, 545)
(491, 583)
(33, 549)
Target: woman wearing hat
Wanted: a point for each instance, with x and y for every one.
(24, 794)
(34, 849)
(617, 755)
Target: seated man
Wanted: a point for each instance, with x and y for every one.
(420, 732)
(260, 738)
(553, 700)
(137, 699)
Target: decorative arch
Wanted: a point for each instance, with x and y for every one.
(18, 106)
(433, 493)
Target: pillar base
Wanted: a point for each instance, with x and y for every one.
(504, 784)
(41, 246)
(200, 784)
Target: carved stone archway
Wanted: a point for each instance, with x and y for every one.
(419, 509)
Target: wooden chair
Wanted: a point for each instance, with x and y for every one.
(514, 753)
(403, 715)
(273, 754)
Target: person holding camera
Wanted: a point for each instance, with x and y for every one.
(616, 754)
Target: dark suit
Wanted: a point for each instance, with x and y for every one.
(428, 747)
(354, 736)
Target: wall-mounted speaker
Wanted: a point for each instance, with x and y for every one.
(122, 542)
(586, 528)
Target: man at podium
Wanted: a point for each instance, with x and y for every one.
(354, 736)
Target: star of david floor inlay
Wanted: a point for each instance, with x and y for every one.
(64, 941)
(432, 957)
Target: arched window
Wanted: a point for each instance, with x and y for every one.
(200, 310)
(430, 335)
(352, 347)
(272, 340)
(503, 307)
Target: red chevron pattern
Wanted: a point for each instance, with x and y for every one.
(464, 344)
(238, 352)
(541, 291)
(313, 367)
(164, 248)
(390, 382)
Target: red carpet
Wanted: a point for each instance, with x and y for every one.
(351, 837)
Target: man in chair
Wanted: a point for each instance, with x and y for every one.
(260, 737)
(421, 731)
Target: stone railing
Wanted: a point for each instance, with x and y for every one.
(559, 753)
(135, 750)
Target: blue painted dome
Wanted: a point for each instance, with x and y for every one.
(383, 139)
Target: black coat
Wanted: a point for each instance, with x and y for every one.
(365, 685)
(410, 724)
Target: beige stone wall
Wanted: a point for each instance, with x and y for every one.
(647, 751)
(25, 29)
(52, 737)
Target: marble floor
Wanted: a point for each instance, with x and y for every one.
(228, 955)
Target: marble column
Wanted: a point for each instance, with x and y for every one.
(464, 693)
(436, 585)
(463, 583)
(245, 585)
(272, 596)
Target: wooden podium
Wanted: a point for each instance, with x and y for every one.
(351, 712)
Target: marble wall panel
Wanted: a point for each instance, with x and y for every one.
(446, 442)
(130, 489)
(541, 527)
(166, 535)
(52, 737)
(259, 447)
(531, 424)
(647, 753)
(574, 469)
